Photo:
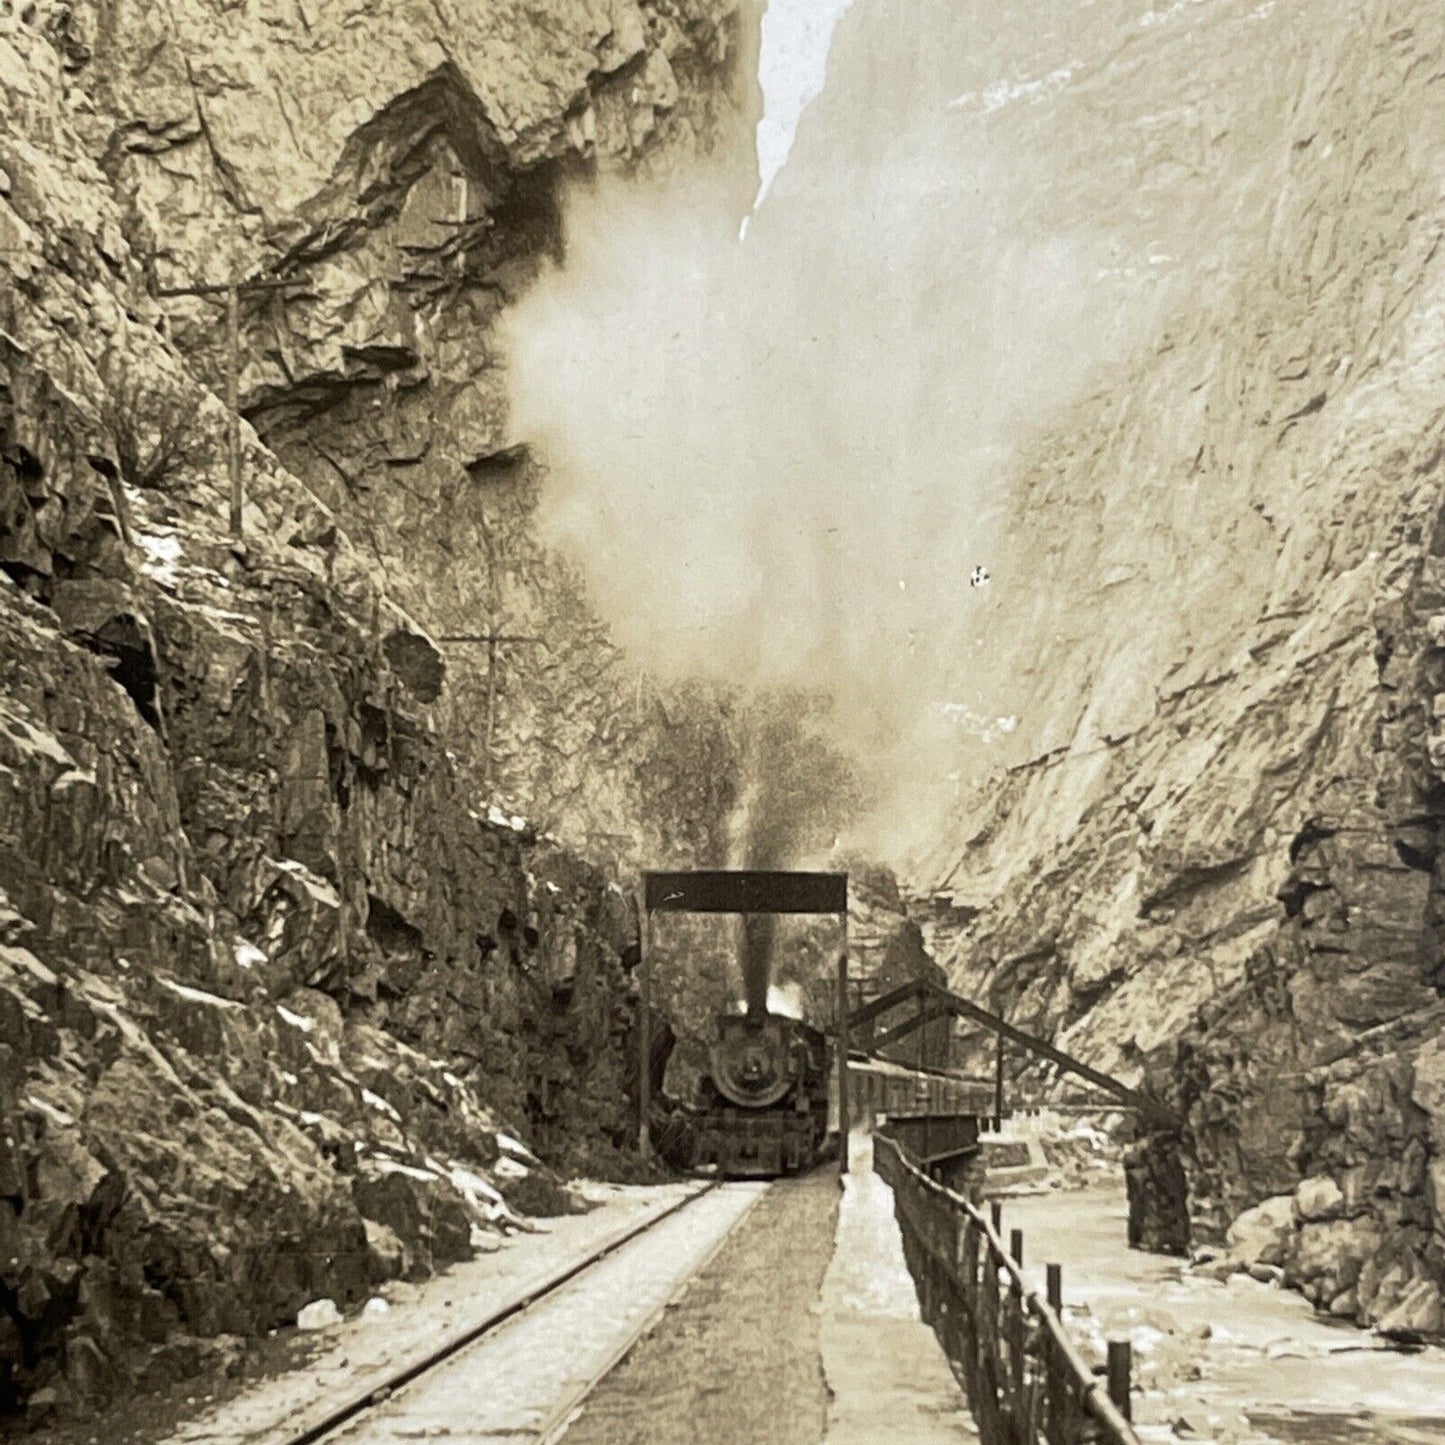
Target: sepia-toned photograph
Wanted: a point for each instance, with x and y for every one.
(722, 722)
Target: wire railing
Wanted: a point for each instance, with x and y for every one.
(1026, 1380)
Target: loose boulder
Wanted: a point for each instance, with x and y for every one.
(1262, 1235)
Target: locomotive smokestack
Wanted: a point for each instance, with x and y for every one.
(758, 930)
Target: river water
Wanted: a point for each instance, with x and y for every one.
(1232, 1362)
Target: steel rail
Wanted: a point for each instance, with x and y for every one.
(376, 1395)
(565, 1415)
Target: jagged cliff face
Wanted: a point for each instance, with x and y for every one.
(274, 980)
(405, 165)
(1218, 614)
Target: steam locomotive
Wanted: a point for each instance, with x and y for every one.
(763, 1107)
(768, 1105)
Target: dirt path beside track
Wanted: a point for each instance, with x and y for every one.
(736, 1360)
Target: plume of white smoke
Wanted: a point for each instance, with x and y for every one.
(786, 999)
(778, 460)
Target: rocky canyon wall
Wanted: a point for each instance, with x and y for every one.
(1212, 860)
(279, 987)
(409, 177)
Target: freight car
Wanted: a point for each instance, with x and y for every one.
(879, 1088)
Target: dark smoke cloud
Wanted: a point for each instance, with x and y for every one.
(799, 792)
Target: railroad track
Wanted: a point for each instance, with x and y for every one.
(350, 1418)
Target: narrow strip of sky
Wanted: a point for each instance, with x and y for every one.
(797, 35)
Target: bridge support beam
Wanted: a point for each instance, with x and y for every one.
(946, 1002)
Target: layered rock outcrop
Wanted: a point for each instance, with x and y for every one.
(279, 987)
(1213, 862)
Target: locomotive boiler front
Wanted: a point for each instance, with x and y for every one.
(763, 1110)
(755, 1061)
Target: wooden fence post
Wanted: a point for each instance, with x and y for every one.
(1026, 1381)
(1018, 1365)
(969, 1279)
(1055, 1387)
(1121, 1367)
(989, 1422)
